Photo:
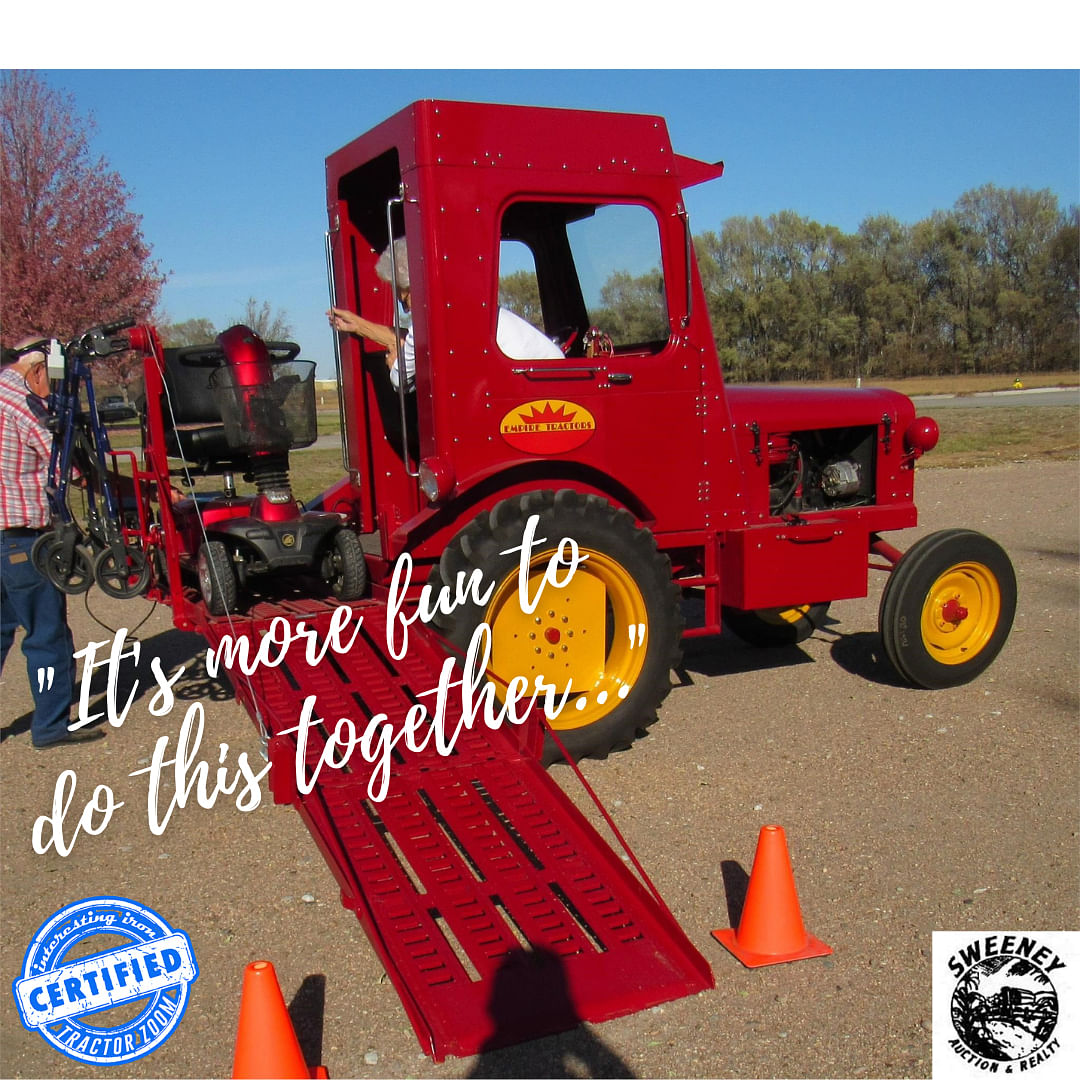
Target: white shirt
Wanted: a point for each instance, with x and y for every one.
(516, 338)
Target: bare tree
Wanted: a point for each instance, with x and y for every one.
(270, 325)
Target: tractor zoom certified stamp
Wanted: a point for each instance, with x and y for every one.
(547, 426)
(105, 980)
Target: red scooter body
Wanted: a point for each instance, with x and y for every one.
(247, 359)
(241, 405)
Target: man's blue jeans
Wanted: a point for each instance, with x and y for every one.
(28, 600)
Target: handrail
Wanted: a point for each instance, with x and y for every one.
(342, 419)
(685, 215)
(398, 200)
(555, 372)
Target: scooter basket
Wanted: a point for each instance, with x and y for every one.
(271, 416)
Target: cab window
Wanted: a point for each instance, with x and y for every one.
(587, 275)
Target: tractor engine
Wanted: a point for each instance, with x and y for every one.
(820, 470)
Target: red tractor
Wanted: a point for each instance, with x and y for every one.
(601, 437)
(769, 503)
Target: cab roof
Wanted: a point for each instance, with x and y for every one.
(460, 134)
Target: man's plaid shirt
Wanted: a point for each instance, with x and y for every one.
(25, 445)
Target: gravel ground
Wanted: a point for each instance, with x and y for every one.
(905, 811)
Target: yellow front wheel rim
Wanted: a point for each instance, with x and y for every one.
(592, 633)
(778, 616)
(961, 612)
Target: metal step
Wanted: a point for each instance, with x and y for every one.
(499, 913)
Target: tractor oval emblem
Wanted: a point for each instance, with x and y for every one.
(547, 426)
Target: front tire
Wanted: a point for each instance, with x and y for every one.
(947, 608)
(614, 630)
(768, 627)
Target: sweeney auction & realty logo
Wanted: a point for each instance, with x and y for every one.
(1004, 1002)
(67, 977)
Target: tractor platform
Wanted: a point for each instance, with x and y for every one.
(498, 911)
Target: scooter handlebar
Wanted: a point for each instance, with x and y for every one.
(213, 355)
(200, 356)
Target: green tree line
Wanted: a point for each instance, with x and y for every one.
(989, 286)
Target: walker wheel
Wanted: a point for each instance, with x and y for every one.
(124, 578)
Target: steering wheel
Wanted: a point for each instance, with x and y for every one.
(566, 337)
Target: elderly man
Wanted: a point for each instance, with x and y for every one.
(26, 598)
(517, 338)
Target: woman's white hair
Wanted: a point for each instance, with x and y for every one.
(386, 264)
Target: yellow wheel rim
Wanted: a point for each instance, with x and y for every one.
(792, 615)
(961, 613)
(592, 633)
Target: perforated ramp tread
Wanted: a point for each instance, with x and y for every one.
(497, 910)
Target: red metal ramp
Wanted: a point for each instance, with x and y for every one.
(499, 913)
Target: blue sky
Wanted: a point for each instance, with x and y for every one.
(226, 167)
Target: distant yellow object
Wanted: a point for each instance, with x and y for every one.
(1017, 384)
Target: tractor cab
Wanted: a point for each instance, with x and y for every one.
(556, 315)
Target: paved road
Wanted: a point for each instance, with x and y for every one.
(1000, 399)
(905, 811)
(926, 404)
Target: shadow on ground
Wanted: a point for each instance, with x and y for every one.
(173, 648)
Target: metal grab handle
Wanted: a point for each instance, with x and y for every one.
(398, 200)
(337, 356)
(553, 372)
(683, 213)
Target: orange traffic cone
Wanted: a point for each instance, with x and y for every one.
(266, 1043)
(771, 929)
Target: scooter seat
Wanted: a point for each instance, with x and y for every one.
(207, 445)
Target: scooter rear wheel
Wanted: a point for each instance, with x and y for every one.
(344, 567)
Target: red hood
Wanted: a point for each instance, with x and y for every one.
(786, 408)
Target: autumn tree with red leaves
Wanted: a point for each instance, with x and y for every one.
(72, 254)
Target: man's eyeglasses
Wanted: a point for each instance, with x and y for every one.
(37, 375)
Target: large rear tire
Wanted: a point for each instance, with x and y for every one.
(613, 631)
(947, 608)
